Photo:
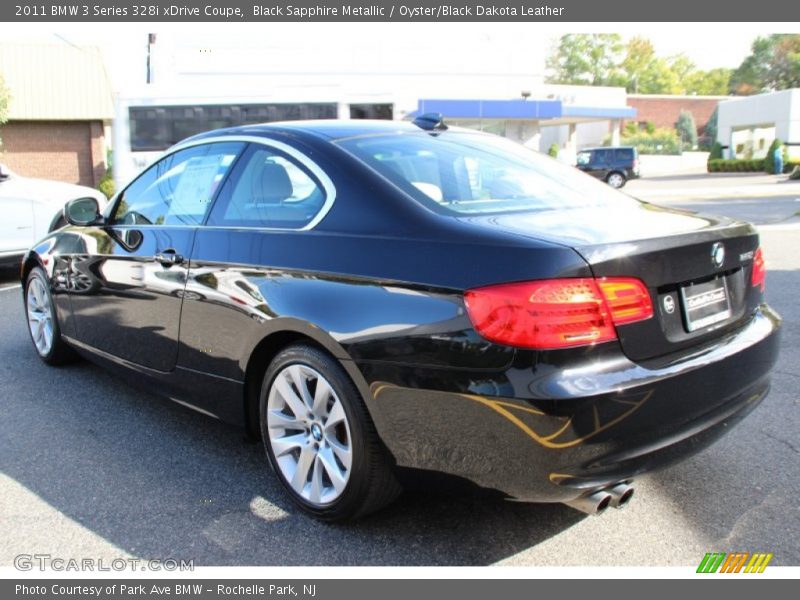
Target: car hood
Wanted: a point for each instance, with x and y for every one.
(44, 190)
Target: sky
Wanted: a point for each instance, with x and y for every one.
(395, 44)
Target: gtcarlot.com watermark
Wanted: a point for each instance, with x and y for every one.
(48, 562)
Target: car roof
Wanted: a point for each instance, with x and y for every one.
(329, 129)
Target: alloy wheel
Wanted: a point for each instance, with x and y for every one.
(309, 434)
(40, 316)
(616, 180)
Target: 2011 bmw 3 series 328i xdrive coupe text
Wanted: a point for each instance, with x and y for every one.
(377, 300)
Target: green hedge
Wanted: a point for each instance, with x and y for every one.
(721, 165)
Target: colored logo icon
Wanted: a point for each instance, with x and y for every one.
(736, 562)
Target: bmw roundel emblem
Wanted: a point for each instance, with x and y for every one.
(669, 304)
(718, 254)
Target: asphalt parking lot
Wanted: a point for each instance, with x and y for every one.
(90, 467)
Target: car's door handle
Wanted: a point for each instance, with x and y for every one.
(168, 258)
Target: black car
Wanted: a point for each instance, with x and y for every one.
(378, 301)
(614, 165)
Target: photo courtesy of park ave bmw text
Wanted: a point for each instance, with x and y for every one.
(333, 299)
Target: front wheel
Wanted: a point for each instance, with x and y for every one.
(319, 438)
(616, 180)
(43, 321)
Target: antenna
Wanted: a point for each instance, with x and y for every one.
(430, 122)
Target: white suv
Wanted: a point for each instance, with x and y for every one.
(30, 208)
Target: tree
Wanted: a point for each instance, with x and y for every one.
(715, 82)
(751, 76)
(711, 126)
(691, 80)
(686, 128)
(602, 59)
(586, 59)
(682, 67)
(769, 160)
(642, 72)
(773, 64)
(784, 72)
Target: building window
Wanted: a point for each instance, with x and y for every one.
(372, 111)
(159, 127)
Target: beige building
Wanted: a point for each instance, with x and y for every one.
(60, 111)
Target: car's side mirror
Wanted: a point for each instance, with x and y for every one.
(82, 211)
(4, 172)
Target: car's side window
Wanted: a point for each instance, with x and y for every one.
(623, 154)
(267, 189)
(177, 190)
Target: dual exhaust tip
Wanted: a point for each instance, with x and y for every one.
(594, 503)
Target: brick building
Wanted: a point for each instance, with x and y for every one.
(59, 113)
(663, 110)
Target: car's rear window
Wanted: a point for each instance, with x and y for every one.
(471, 173)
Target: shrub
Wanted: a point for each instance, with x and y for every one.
(650, 127)
(711, 126)
(660, 141)
(769, 162)
(716, 151)
(106, 184)
(735, 165)
(553, 150)
(687, 128)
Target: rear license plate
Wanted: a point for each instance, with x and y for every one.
(705, 303)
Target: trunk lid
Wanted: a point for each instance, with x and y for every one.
(696, 296)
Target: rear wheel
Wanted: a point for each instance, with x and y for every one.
(616, 180)
(43, 321)
(319, 438)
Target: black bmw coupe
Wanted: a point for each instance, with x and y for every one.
(375, 299)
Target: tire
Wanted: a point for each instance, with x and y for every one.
(616, 179)
(345, 472)
(43, 325)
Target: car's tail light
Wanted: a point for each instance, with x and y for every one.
(627, 298)
(557, 313)
(759, 275)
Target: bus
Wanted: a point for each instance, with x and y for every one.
(146, 126)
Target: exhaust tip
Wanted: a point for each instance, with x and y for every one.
(621, 494)
(591, 504)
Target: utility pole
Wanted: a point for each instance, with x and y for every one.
(151, 40)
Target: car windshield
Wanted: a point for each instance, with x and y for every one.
(472, 173)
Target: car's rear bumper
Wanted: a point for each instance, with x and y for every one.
(570, 428)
